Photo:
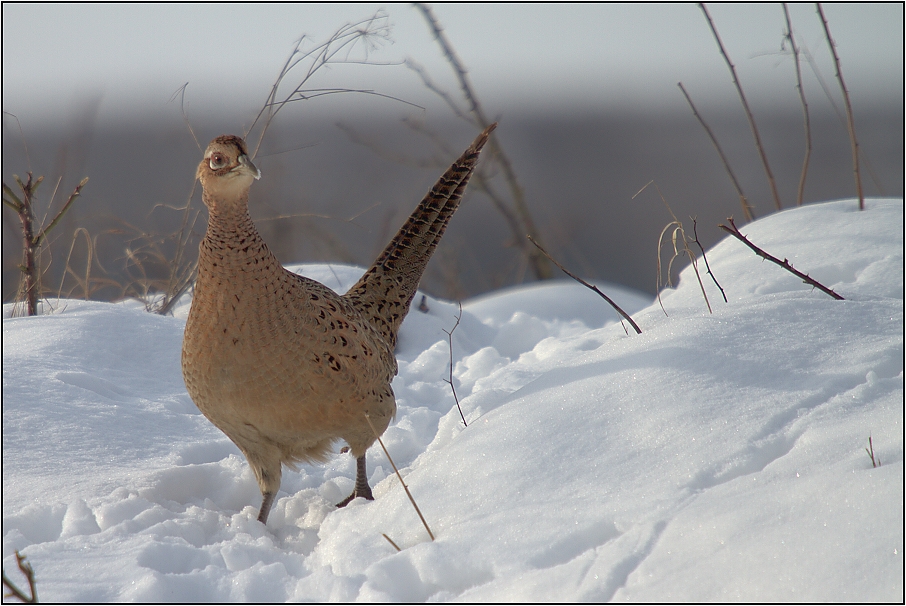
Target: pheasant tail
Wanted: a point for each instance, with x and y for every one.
(384, 292)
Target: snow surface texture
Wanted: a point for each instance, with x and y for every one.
(713, 457)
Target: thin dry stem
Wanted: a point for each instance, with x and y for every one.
(24, 208)
(808, 129)
(679, 234)
(450, 380)
(389, 540)
(181, 93)
(618, 309)
(437, 90)
(705, 257)
(336, 50)
(406, 488)
(785, 264)
(21, 134)
(32, 242)
(745, 105)
(850, 123)
(88, 283)
(537, 262)
(863, 156)
(39, 239)
(871, 453)
(14, 592)
(747, 209)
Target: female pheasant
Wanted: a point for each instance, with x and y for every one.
(281, 364)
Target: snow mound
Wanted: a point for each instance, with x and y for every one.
(714, 457)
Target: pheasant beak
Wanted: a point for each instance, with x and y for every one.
(246, 166)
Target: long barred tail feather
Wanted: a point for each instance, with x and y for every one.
(384, 292)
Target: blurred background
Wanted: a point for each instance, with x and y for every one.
(586, 97)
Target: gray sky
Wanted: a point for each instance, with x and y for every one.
(134, 56)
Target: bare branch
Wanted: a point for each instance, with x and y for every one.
(335, 50)
(850, 123)
(75, 194)
(747, 209)
(745, 105)
(705, 257)
(808, 128)
(14, 592)
(618, 309)
(785, 264)
(430, 85)
(540, 268)
(863, 156)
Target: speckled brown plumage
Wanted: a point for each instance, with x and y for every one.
(281, 364)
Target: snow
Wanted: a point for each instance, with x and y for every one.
(714, 457)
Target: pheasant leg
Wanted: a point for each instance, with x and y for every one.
(362, 489)
(266, 503)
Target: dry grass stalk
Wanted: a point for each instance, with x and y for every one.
(389, 540)
(705, 257)
(537, 262)
(150, 256)
(450, 380)
(747, 209)
(618, 309)
(29, 572)
(181, 93)
(850, 123)
(85, 280)
(785, 264)
(745, 105)
(875, 462)
(678, 236)
(805, 116)
(406, 488)
(24, 207)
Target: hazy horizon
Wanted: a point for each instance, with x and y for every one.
(130, 59)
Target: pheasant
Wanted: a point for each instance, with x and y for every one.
(283, 365)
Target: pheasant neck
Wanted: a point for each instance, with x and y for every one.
(232, 244)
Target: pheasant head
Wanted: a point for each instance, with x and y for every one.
(226, 172)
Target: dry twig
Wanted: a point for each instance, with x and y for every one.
(863, 156)
(705, 257)
(850, 123)
(406, 488)
(745, 105)
(785, 264)
(618, 309)
(450, 380)
(537, 262)
(336, 50)
(29, 572)
(24, 207)
(871, 453)
(808, 128)
(389, 540)
(747, 209)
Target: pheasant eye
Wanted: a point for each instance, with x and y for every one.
(217, 161)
